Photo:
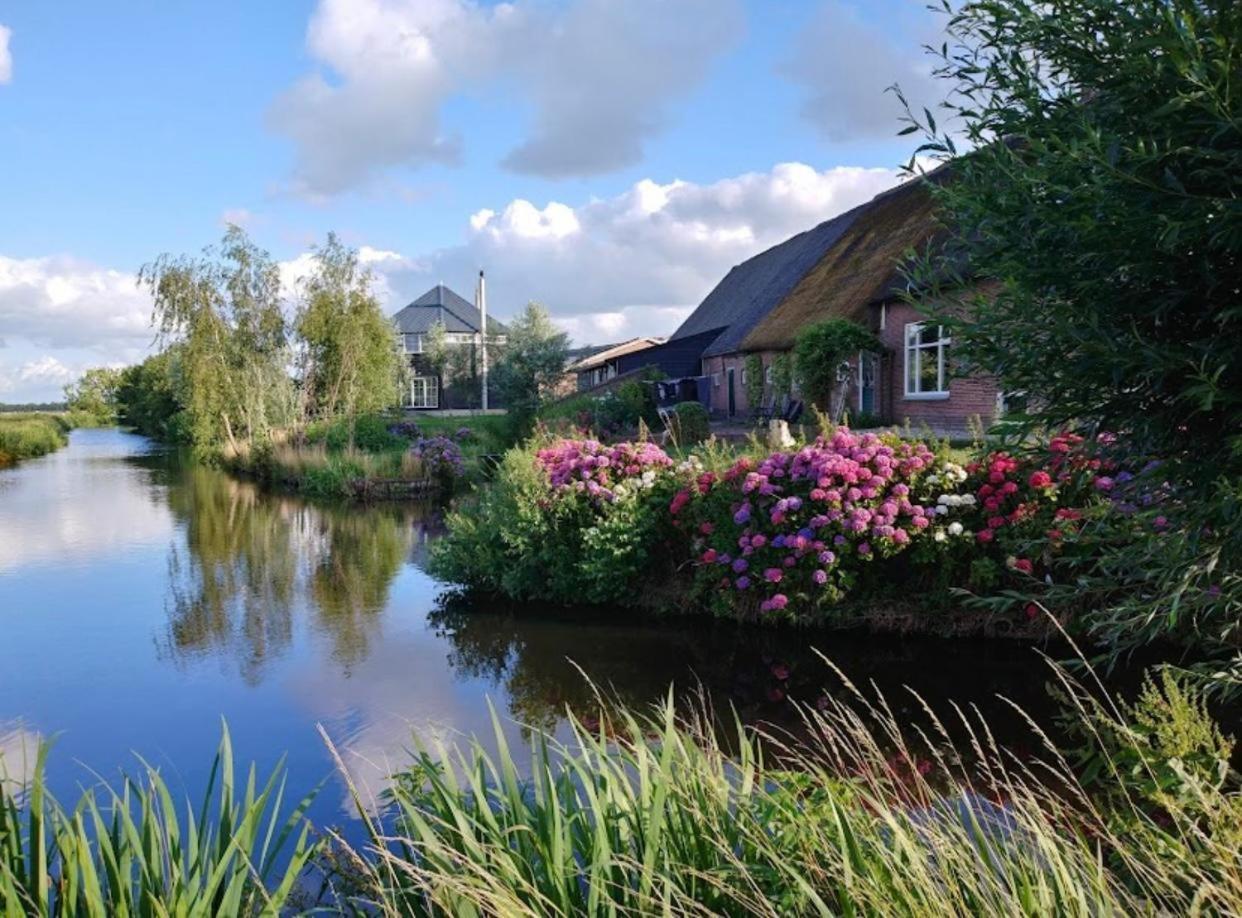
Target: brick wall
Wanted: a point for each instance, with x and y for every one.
(968, 396)
(717, 368)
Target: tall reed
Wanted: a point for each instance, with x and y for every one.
(27, 435)
(131, 851)
(648, 815)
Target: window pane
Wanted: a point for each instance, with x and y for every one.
(912, 370)
(929, 373)
(929, 334)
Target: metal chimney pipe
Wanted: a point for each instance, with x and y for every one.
(483, 332)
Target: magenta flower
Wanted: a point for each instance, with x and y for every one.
(773, 575)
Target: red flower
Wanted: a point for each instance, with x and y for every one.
(996, 522)
(1040, 479)
(709, 556)
(1024, 565)
(1032, 611)
(984, 535)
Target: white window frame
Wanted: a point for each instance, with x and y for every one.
(430, 397)
(418, 343)
(914, 352)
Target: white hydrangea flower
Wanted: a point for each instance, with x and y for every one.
(956, 529)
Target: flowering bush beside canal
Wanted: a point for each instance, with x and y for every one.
(782, 535)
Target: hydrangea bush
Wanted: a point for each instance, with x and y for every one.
(789, 534)
(780, 536)
(568, 520)
(441, 457)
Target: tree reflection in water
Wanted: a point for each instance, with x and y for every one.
(253, 563)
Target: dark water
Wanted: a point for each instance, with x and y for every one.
(143, 599)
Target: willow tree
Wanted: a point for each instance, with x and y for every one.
(350, 365)
(223, 308)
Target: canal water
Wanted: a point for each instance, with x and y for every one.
(145, 600)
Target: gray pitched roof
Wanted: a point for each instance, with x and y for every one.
(753, 289)
(440, 304)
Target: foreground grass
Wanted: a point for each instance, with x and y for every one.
(650, 814)
(25, 436)
(130, 850)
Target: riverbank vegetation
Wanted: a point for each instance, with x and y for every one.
(1099, 192)
(27, 435)
(652, 813)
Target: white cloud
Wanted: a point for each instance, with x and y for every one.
(61, 315)
(599, 75)
(602, 76)
(845, 65)
(63, 302)
(6, 56)
(608, 269)
(636, 263)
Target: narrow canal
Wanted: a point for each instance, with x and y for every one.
(144, 598)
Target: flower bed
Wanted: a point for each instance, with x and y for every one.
(785, 535)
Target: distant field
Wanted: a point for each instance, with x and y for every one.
(29, 434)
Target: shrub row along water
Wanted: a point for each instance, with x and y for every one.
(792, 534)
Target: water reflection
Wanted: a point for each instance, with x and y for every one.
(152, 597)
(757, 672)
(250, 562)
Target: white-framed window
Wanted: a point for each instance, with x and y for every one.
(716, 380)
(927, 361)
(424, 392)
(767, 375)
(413, 344)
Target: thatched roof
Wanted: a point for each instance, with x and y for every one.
(750, 290)
(859, 269)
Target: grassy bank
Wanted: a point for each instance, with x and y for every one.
(647, 814)
(25, 436)
(378, 457)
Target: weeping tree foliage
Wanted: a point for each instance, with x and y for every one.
(223, 309)
(533, 362)
(1103, 188)
(349, 363)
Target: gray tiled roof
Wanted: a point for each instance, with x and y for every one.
(752, 289)
(440, 304)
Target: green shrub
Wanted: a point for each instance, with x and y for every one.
(371, 434)
(819, 351)
(520, 539)
(753, 368)
(689, 424)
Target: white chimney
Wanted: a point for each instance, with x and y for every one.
(482, 304)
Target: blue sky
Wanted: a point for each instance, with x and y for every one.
(610, 159)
